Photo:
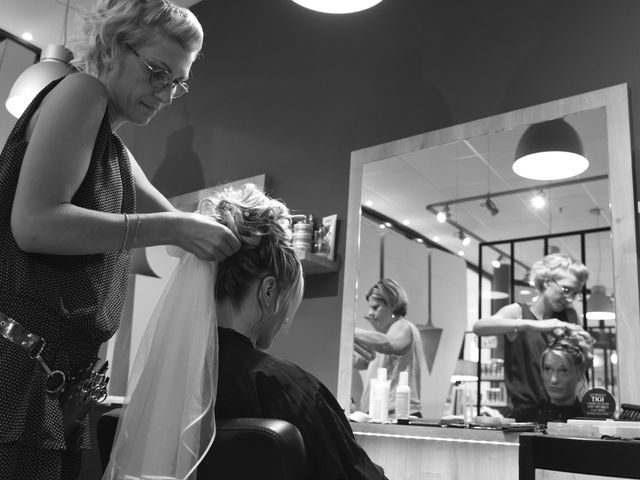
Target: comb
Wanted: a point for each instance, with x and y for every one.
(629, 412)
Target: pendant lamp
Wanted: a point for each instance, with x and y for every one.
(53, 64)
(337, 6)
(550, 151)
(599, 305)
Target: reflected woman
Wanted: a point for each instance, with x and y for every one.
(564, 366)
(529, 329)
(394, 344)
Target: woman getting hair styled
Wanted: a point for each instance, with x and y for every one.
(73, 202)
(564, 365)
(257, 292)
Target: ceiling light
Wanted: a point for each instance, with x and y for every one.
(599, 305)
(406, 222)
(497, 262)
(538, 201)
(27, 36)
(369, 203)
(461, 253)
(337, 6)
(436, 238)
(53, 64)
(463, 238)
(419, 240)
(491, 206)
(444, 214)
(550, 151)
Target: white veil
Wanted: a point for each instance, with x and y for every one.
(168, 421)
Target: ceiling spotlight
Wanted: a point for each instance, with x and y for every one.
(491, 206)
(550, 151)
(538, 200)
(497, 262)
(463, 238)
(444, 214)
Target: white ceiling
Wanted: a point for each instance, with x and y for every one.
(44, 19)
(401, 187)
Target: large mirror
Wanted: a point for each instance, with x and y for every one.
(397, 188)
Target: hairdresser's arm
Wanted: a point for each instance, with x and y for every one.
(395, 341)
(43, 219)
(508, 321)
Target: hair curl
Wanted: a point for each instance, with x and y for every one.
(263, 226)
(113, 23)
(575, 346)
(392, 294)
(546, 269)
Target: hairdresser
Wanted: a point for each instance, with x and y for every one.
(393, 344)
(73, 203)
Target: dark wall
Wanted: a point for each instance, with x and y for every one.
(288, 92)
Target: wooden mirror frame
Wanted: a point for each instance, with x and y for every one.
(623, 218)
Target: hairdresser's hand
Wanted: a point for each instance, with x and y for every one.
(206, 238)
(558, 327)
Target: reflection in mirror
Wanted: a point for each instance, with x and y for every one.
(465, 172)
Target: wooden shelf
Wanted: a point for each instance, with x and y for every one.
(312, 263)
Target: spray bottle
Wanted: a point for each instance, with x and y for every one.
(403, 396)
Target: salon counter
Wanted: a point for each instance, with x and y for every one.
(410, 452)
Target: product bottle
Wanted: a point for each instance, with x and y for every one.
(403, 396)
(379, 397)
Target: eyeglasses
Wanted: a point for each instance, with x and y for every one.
(566, 291)
(160, 78)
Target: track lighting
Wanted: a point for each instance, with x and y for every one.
(444, 214)
(491, 206)
(463, 238)
(497, 262)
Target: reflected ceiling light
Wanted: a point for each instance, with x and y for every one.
(369, 203)
(599, 305)
(550, 151)
(337, 6)
(436, 238)
(53, 64)
(444, 214)
(406, 222)
(497, 262)
(491, 206)
(461, 253)
(27, 36)
(419, 240)
(538, 200)
(463, 238)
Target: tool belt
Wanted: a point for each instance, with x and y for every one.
(77, 395)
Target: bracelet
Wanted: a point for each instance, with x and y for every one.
(134, 239)
(126, 232)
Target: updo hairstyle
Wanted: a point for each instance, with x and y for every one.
(575, 347)
(392, 294)
(546, 269)
(263, 226)
(113, 23)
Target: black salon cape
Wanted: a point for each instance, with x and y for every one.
(252, 383)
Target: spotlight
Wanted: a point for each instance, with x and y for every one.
(497, 262)
(538, 201)
(491, 206)
(463, 238)
(443, 215)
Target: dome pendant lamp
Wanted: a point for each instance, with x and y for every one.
(550, 151)
(337, 6)
(53, 64)
(599, 305)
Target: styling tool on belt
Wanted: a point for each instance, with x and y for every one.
(33, 345)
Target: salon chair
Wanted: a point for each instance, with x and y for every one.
(244, 449)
